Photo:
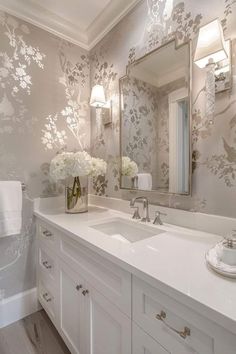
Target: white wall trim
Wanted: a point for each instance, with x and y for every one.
(176, 171)
(16, 307)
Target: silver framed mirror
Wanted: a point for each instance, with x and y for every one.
(155, 121)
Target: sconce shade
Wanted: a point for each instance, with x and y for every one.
(210, 45)
(97, 96)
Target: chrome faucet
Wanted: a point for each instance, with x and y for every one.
(145, 217)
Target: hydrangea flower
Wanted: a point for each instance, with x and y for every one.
(76, 164)
(60, 166)
(99, 167)
(81, 164)
(129, 167)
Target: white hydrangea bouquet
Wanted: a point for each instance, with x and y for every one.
(75, 169)
(129, 168)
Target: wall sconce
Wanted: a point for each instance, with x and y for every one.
(213, 53)
(98, 101)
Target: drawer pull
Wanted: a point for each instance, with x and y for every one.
(46, 297)
(47, 265)
(85, 292)
(78, 287)
(183, 334)
(47, 233)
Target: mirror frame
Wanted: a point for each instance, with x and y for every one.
(135, 62)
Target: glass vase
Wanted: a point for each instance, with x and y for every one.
(77, 195)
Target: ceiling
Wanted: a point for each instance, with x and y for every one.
(82, 22)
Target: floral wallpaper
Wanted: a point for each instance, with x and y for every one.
(149, 25)
(145, 127)
(44, 93)
(45, 86)
(141, 138)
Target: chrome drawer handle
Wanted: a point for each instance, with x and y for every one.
(47, 265)
(47, 233)
(78, 287)
(46, 297)
(183, 334)
(85, 292)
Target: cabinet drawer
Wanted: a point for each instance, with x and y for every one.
(46, 233)
(144, 344)
(47, 262)
(47, 299)
(112, 281)
(168, 321)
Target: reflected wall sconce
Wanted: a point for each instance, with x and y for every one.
(103, 107)
(214, 54)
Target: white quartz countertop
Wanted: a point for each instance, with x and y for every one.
(174, 261)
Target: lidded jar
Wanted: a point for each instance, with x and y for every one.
(227, 249)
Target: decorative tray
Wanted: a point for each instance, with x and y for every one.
(214, 262)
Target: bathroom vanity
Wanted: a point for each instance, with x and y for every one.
(113, 294)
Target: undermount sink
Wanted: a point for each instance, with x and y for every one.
(126, 231)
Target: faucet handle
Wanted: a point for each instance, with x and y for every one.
(158, 213)
(136, 212)
(157, 220)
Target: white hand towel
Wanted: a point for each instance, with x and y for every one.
(144, 181)
(10, 208)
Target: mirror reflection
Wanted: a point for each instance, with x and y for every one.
(155, 121)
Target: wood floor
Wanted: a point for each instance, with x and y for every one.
(34, 334)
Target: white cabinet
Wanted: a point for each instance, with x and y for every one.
(72, 307)
(112, 281)
(177, 328)
(89, 323)
(108, 329)
(47, 299)
(91, 319)
(144, 344)
(89, 299)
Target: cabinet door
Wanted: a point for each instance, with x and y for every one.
(72, 306)
(108, 329)
(144, 344)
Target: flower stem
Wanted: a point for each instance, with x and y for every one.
(74, 193)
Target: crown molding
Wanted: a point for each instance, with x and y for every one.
(103, 24)
(41, 17)
(48, 21)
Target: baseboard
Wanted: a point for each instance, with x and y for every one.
(16, 307)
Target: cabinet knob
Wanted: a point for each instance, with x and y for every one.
(47, 233)
(47, 297)
(85, 292)
(47, 265)
(78, 287)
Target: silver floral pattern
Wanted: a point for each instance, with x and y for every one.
(214, 145)
(15, 79)
(44, 94)
(44, 88)
(75, 113)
